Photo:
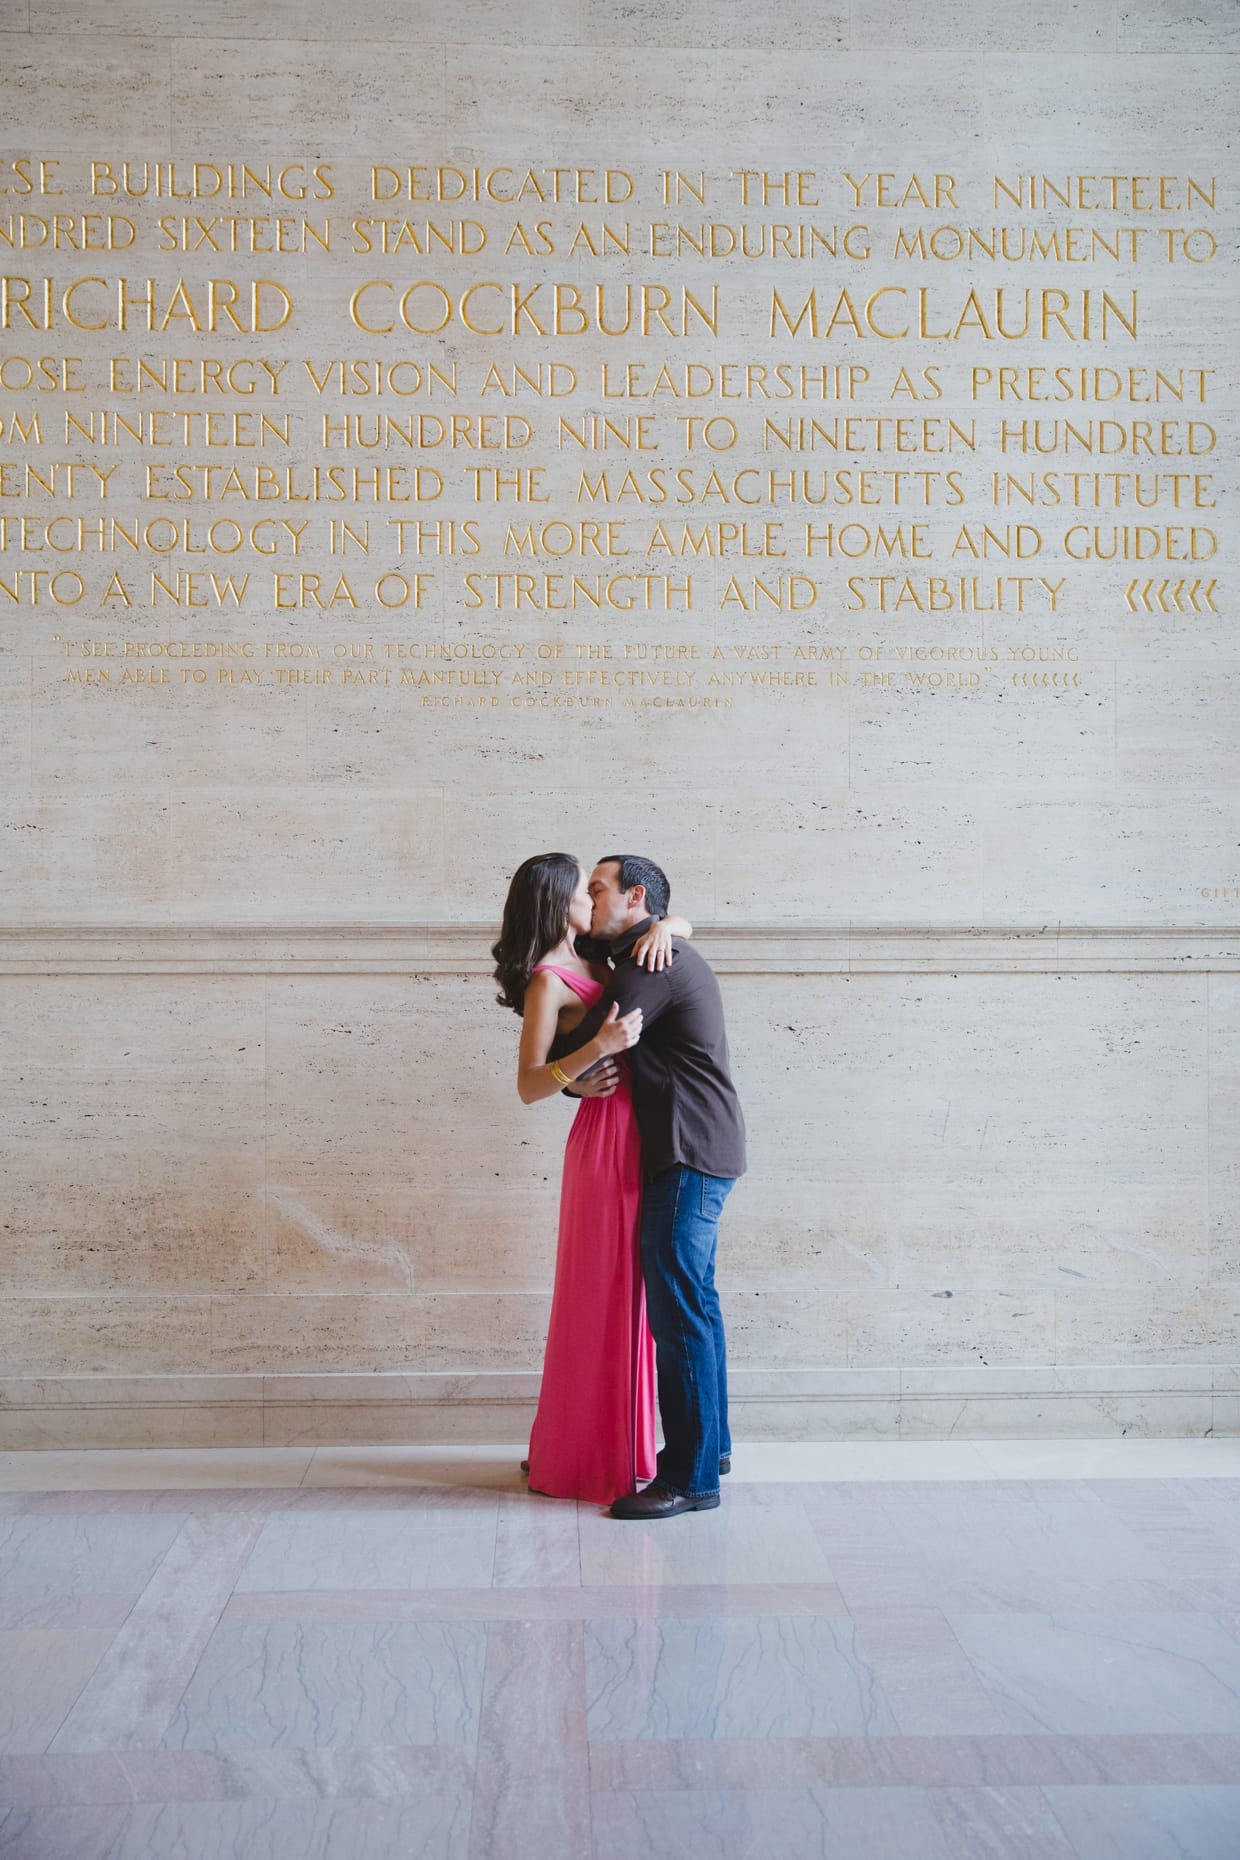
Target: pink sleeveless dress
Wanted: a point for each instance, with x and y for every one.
(593, 1435)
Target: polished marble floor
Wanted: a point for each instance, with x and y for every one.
(952, 1650)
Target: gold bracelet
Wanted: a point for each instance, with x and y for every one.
(558, 1072)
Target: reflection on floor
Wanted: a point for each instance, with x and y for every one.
(1022, 1650)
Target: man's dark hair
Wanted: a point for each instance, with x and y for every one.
(634, 870)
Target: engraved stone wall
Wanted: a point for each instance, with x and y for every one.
(796, 442)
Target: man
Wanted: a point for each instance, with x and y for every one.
(693, 1149)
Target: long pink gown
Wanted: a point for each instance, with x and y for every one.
(593, 1435)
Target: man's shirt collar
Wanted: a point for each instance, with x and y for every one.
(621, 945)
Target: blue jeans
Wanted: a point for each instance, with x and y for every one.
(680, 1229)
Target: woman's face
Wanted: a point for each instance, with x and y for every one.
(580, 907)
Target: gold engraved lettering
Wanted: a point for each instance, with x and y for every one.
(891, 190)
(18, 431)
(183, 374)
(1010, 315)
(857, 540)
(506, 186)
(1017, 541)
(204, 180)
(1066, 245)
(50, 374)
(676, 186)
(166, 426)
(559, 538)
(486, 432)
(241, 233)
(935, 494)
(94, 303)
(1108, 438)
(523, 484)
(1105, 490)
(784, 189)
(65, 535)
(1112, 193)
(58, 479)
(309, 590)
(1124, 542)
(878, 433)
(602, 240)
(734, 381)
(362, 376)
(448, 536)
(625, 593)
(68, 232)
(765, 239)
(553, 379)
(937, 594)
(24, 176)
(1091, 384)
(793, 593)
(295, 484)
(463, 237)
(429, 308)
(596, 432)
(717, 539)
(35, 587)
(193, 590)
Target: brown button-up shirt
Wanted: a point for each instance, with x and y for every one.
(686, 1105)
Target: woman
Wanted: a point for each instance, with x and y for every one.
(593, 1436)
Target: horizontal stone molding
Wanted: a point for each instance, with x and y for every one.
(1081, 1401)
(463, 949)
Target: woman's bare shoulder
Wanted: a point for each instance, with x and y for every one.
(545, 984)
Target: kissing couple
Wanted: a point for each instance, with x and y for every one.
(618, 1009)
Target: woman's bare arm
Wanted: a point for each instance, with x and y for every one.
(653, 949)
(544, 997)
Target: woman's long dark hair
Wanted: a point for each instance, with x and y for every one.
(535, 920)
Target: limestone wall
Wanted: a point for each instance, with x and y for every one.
(882, 588)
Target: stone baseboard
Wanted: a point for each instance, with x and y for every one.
(1078, 1402)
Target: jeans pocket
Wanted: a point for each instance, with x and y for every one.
(715, 1191)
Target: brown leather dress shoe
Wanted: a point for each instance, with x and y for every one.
(660, 1501)
(725, 1463)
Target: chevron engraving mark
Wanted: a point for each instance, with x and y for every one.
(1171, 597)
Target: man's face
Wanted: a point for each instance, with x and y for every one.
(614, 910)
